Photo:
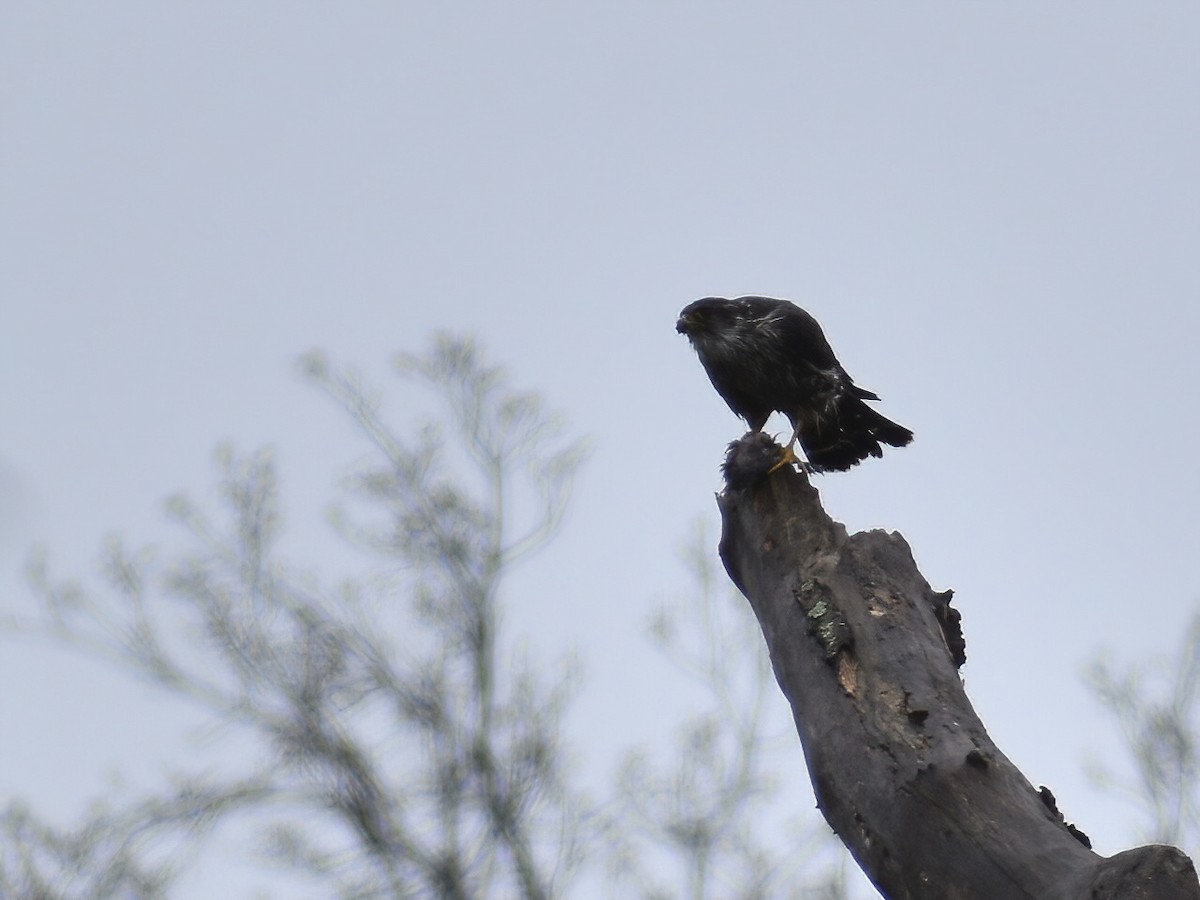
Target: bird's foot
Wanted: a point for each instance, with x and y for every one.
(789, 458)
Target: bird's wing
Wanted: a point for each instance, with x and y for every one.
(800, 332)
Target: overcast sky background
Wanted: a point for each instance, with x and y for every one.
(993, 209)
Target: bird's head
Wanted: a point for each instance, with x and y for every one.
(707, 317)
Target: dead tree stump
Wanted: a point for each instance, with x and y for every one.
(903, 770)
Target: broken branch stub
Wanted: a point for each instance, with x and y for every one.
(867, 653)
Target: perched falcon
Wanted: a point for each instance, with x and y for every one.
(764, 356)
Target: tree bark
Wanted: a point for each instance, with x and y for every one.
(903, 770)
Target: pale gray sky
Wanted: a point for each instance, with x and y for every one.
(994, 209)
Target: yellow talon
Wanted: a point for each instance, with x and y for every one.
(788, 458)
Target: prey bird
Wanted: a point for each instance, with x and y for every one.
(764, 356)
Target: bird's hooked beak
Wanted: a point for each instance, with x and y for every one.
(683, 324)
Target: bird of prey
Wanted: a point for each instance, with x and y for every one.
(764, 356)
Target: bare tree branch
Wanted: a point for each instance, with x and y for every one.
(1155, 706)
(868, 654)
(419, 757)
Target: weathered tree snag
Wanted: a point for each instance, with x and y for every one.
(903, 770)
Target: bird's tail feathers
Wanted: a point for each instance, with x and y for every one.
(891, 433)
(855, 432)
